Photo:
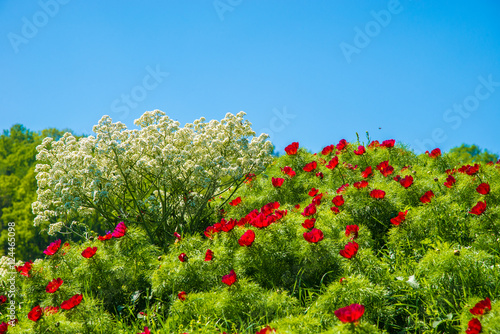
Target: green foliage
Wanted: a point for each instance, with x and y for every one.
(472, 153)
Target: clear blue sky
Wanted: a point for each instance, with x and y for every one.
(424, 72)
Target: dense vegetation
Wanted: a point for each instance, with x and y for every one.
(413, 241)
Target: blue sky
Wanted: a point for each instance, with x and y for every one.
(426, 73)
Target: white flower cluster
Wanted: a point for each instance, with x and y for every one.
(161, 169)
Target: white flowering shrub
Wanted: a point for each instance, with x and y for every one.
(160, 176)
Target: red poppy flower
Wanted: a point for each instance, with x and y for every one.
(296, 208)
(342, 280)
(177, 236)
(483, 189)
(407, 181)
(350, 313)
(53, 247)
(399, 218)
(309, 210)
(247, 238)
(309, 167)
(385, 169)
(360, 151)
(328, 149)
(54, 285)
(49, 310)
(426, 198)
(288, 171)
(367, 172)
(3, 299)
(249, 178)
(388, 143)
(338, 200)
(230, 278)
(314, 235)
(4, 327)
(267, 330)
(120, 230)
(292, 148)
(471, 170)
(35, 313)
(342, 188)
(105, 237)
(277, 181)
(481, 307)
(360, 184)
(72, 302)
(479, 208)
(182, 295)
(183, 257)
(146, 331)
(350, 250)
(342, 144)
(66, 246)
(320, 175)
(309, 223)
(474, 326)
(351, 231)
(317, 199)
(25, 269)
(334, 209)
(377, 193)
(235, 201)
(333, 163)
(434, 153)
(350, 166)
(209, 255)
(374, 144)
(89, 252)
(450, 181)
(313, 192)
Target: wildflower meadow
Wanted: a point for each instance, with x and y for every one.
(202, 229)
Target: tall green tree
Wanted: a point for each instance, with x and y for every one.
(472, 153)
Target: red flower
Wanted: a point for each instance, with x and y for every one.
(483, 189)
(482, 307)
(309, 210)
(3, 299)
(367, 172)
(333, 163)
(313, 192)
(338, 200)
(120, 230)
(320, 175)
(89, 252)
(350, 250)
(235, 201)
(450, 181)
(426, 198)
(374, 144)
(407, 181)
(313, 236)
(107, 236)
(377, 193)
(247, 238)
(350, 313)
(49, 310)
(399, 218)
(72, 302)
(360, 184)
(351, 231)
(309, 167)
(53, 247)
(479, 208)
(230, 278)
(249, 178)
(474, 326)
(266, 330)
(288, 171)
(309, 223)
(335, 209)
(388, 143)
(385, 168)
(350, 166)
(317, 199)
(4, 327)
(54, 285)
(342, 188)
(177, 236)
(292, 148)
(182, 295)
(328, 149)
(360, 151)
(342, 144)
(208, 255)
(183, 257)
(277, 181)
(25, 269)
(434, 153)
(146, 331)
(35, 313)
